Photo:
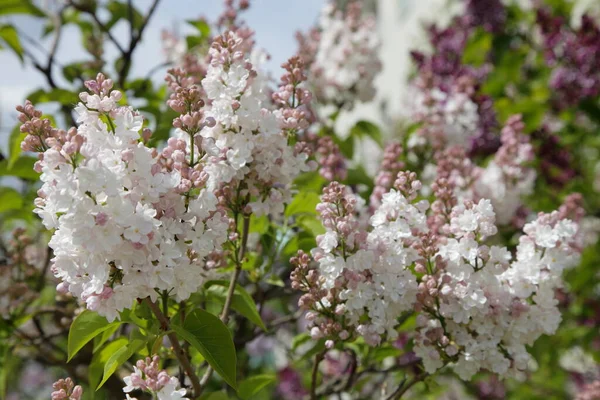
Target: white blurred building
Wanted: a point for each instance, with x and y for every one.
(401, 30)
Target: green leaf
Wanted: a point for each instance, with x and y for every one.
(300, 340)
(241, 302)
(121, 355)
(358, 176)
(251, 386)
(62, 96)
(73, 71)
(311, 224)
(310, 181)
(100, 358)
(367, 129)
(119, 10)
(14, 145)
(9, 35)
(259, 224)
(477, 48)
(192, 41)
(22, 168)
(103, 338)
(9, 368)
(212, 339)
(19, 7)
(346, 146)
(10, 199)
(84, 328)
(303, 203)
(222, 395)
(202, 26)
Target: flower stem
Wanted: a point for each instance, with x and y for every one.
(315, 372)
(179, 353)
(404, 386)
(230, 292)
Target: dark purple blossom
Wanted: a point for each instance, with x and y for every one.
(489, 14)
(290, 384)
(574, 55)
(557, 164)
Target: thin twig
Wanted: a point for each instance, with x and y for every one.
(58, 22)
(315, 372)
(134, 41)
(105, 29)
(179, 353)
(230, 291)
(404, 386)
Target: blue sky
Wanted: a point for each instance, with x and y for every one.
(275, 22)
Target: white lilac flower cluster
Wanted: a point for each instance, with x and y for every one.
(449, 118)
(477, 306)
(149, 378)
(342, 54)
(362, 277)
(131, 222)
(505, 180)
(482, 306)
(247, 144)
(123, 229)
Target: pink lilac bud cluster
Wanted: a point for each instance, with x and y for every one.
(454, 166)
(391, 165)
(293, 98)
(478, 306)
(185, 151)
(65, 389)
(246, 144)
(42, 138)
(449, 104)
(148, 377)
(342, 54)
(509, 177)
(123, 229)
(330, 160)
(38, 130)
(574, 55)
(229, 17)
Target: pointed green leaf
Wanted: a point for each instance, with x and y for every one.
(84, 328)
(212, 339)
(251, 386)
(21, 168)
(368, 129)
(202, 26)
(14, 145)
(100, 358)
(10, 199)
(242, 302)
(303, 203)
(9, 35)
(119, 357)
(103, 338)
(19, 7)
